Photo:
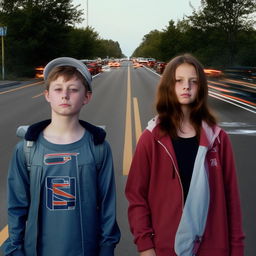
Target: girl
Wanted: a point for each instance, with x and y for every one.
(182, 186)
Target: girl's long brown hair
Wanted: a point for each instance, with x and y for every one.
(167, 105)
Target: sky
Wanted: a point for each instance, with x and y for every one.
(127, 21)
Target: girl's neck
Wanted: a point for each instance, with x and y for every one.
(186, 130)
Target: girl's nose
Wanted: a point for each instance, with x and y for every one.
(186, 85)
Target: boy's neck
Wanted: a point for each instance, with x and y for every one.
(63, 130)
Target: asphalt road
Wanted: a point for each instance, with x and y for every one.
(123, 102)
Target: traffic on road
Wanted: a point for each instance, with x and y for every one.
(122, 103)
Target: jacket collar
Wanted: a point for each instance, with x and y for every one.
(35, 129)
(207, 137)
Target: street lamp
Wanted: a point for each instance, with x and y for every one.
(3, 31)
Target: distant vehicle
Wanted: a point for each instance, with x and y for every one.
(93, 66)
(39, 72)
(114, 64)
(243, 72)
(160, 66)
(151, 62)
(92, 69)
(106, 68)
(137, 65)
(143, 61)
(213, 72)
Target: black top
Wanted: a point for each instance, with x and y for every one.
(185, 150)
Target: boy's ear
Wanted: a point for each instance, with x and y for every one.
(87, 98)
(46, 95)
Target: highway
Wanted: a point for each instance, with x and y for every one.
(123, 102)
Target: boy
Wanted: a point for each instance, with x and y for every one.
(64, 204)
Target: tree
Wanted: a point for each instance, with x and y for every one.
(109, 48)
(37, 31)
(83, 43)
(150, 46)
(228, 16)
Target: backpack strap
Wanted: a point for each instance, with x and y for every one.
(28, 146)
(98, 154)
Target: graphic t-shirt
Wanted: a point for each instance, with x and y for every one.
(59, 214)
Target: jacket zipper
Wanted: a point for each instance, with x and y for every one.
(176, 171)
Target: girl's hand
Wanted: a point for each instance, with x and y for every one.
(150, 252)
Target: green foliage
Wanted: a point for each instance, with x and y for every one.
(40, 30)
(220, 33)
(82, 43)
(227, 16)
(109, 48)
(150, 46)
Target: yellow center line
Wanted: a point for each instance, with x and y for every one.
(138, 129)
(21, 87)
(127, 157)
(3, 235)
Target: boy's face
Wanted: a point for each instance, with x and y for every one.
(66, 98)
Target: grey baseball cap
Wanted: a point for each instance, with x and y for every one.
(67, 61)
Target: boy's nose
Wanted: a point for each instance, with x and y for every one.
(65, 94)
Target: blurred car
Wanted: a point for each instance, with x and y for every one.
(106, 68)
(243, 72)
(160, 66)
(114, 64)
(137, 65)
(213, 72)
(93, 66)
(92, 69)
(39, 72)
(142, 61)
(151, 62)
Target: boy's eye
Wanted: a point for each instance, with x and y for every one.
(73, 89)
(57, 89)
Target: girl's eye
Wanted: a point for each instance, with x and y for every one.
(178, 80)
(194, 81)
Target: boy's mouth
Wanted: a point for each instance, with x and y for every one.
(64, 105)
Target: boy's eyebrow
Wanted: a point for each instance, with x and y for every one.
(60, 84)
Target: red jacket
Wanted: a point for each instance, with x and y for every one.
(155, 196)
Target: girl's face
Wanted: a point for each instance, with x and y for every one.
(67, 97)
(186, 85)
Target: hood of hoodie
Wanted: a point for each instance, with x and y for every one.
(35, 129)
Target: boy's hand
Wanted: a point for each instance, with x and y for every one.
(150, 252)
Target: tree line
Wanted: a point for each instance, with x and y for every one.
(38, 31)
(220, 33)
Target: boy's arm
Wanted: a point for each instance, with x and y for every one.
(110, 234)
(18, 202)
